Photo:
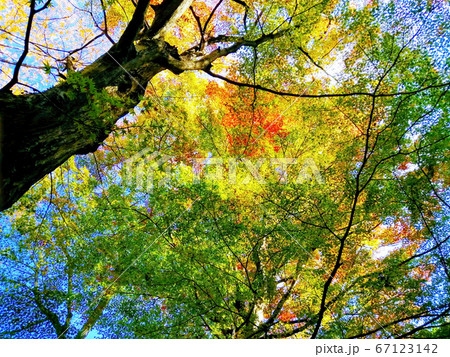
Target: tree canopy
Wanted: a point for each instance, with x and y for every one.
(224, 169)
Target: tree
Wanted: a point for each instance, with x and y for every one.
(327, 214)
(32, 124)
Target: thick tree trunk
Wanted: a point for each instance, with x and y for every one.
(39, 132)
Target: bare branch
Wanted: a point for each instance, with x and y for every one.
(211, 15)
(15, 77)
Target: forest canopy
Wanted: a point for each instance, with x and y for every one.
(224, 169)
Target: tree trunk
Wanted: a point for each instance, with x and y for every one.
(39, 132)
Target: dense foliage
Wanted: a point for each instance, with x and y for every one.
(298, 187)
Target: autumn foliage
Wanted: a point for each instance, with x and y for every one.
(283, 173)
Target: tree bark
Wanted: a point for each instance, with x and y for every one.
(94, 316)
(39, 132)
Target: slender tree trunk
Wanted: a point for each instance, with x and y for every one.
(94, 316)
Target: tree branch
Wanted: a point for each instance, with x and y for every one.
(330, 95)
(166, 15)
(22, 57)
(135, 25)
(211, 15)
(94, 316)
